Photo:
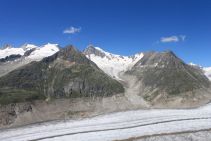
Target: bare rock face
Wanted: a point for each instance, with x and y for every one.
(164, 76)
(28, 52)
(10, 58)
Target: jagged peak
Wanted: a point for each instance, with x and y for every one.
(69, 49)
(69, 53)
(102, 53)
(100, 49)
(90, 46)
(169, 53)
(94, 50)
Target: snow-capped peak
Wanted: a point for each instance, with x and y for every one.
(105, 52)
(112, 64)
(28, 46)
(100, 49)
(37, 54)
(44, 51)
(7, 51)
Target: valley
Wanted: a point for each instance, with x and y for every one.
(96, 95)
(135, 125)
(105, 70)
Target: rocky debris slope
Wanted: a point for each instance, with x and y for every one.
(9, 113)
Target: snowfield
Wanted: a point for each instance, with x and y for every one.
(38, 54)
(114, 64)
(115, 126)
(11, 51)
(44, 51)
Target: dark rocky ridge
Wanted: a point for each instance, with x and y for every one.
(10, 58)
(28, 52)
(67, 73)
(164, 75)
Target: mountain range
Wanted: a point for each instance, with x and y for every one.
(161, 77)
(67, 73)
(93, 81)
(32, 52)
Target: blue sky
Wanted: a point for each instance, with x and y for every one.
(119, 26)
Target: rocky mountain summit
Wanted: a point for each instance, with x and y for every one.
(92, 50)
(164, 76)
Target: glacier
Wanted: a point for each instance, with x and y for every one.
(116, 126)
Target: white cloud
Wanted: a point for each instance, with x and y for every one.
(173, 39)
(72, 30)
(183, 37)
(169, 39)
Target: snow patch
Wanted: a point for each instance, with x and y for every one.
(208, 72)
